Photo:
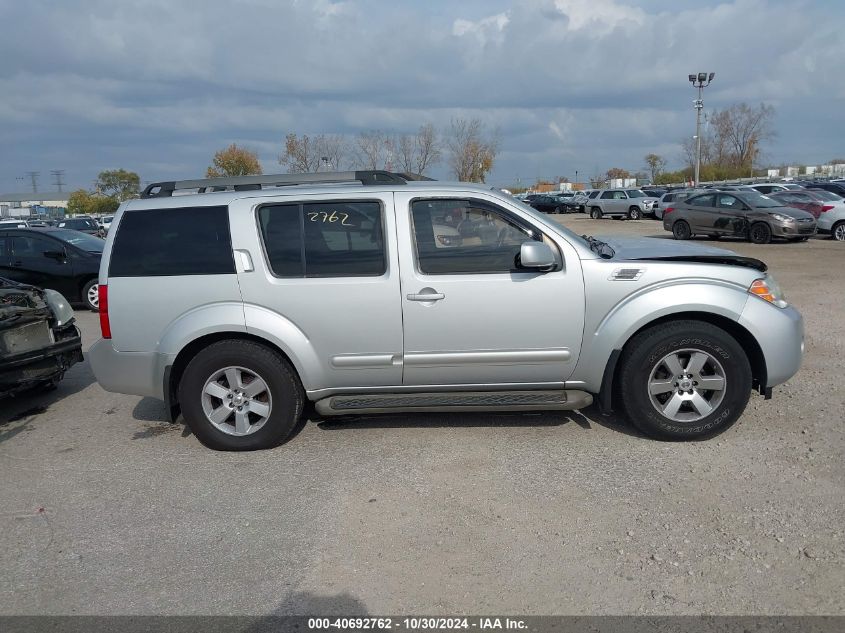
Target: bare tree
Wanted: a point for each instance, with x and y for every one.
(308, 155)
(374, 150)
(471, 151)
(656, 164)
(741, 129)
(418, 152)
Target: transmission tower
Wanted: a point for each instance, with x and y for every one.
(33, 178)
(59, 175)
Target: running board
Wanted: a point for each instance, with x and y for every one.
(561, 400)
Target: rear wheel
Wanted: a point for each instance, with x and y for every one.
(91, 295)
(238, 396)
(685, 380)
(760, 233)
(838, 232)
(634, 213)
(557, 210)
(595, 213)
(681, 230)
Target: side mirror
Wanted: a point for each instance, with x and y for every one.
(536, 255)
(57, 255)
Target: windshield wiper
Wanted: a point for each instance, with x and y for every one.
(602, 249)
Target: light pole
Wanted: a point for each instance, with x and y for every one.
(700, 81)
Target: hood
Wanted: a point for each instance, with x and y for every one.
(659, 249)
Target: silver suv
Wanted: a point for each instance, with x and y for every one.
(632, 204)
(259, 298)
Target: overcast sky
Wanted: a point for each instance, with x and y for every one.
(157, 86)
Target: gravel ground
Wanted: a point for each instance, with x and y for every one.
(107, 509)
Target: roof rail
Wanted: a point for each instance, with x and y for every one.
(254, 183)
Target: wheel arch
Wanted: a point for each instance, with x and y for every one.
(745, 338)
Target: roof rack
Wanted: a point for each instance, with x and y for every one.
(255, 183)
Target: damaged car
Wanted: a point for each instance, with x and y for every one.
(39, 339)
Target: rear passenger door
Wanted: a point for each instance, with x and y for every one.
(323, 280)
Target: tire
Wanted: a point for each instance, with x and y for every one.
(595, 213)
(90, 295)
(277, 407)
(557, 210)
(634, 213)
(760, 233)
(681, 230)
(837, 232)
(673, 414)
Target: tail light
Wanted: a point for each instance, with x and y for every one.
(103, 294)
(827, 207)
(668, 210)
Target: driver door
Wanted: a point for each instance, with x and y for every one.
(470, 315)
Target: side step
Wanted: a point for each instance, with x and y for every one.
(561, 400)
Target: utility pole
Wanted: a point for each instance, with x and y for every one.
(700, 81)
(58, 174)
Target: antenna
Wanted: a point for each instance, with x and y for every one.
(58, 174)
(33, 178)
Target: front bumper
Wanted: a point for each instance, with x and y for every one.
(794, 230)
(26, 370)
(780, 334)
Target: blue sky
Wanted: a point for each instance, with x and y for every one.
(156, 86)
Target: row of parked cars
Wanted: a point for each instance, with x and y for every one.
(86, 224)
(759, 212)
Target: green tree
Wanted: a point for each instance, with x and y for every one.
(79, 202)
(656, 164)
(84, 202)
(234, 161)
(119, 184)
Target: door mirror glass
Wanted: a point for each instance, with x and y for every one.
(536, 255)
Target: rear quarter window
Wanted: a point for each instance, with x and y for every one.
(172, 242)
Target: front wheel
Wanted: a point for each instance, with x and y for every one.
(634, 213)
(91, 295)
(595, 213)
(838, 232)
(760, 233)
(681, 230)
(239, 395)
(685, 380)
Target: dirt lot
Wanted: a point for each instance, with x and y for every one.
(107, 509)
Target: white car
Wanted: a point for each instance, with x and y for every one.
(14, 224)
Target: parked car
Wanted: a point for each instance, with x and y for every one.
(653, 192)
(837, 187)
(238, 307)
(670, 198)
(85, 225)
(105, 224)
(769, 187)
(38, 338)
(579, 200)
(805, 200)
(753, 216)
(15, 223)
(60, 259)
(547, 203)
(632, 204)
(831, 220)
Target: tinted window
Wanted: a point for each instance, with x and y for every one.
(458, 236)
(163, 242)
(5, 251)
(593, 194)
(706, 200)
(326, 239)
(33, 246)
(80, 240)
(669, 197)
(607, 195)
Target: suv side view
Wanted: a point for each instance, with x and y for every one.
(261, 298)
(632, 204)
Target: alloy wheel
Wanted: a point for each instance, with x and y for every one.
(687, 385)
(236, 401)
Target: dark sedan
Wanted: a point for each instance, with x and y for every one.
(753, 216)
(86, 225)
(60, 259)
(549, 203)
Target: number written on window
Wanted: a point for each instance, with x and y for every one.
(334, 216)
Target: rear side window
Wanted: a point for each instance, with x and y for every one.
(324, 239)
(171, 242)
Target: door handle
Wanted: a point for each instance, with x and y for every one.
(433, 296)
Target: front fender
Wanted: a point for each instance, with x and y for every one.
(607, 330)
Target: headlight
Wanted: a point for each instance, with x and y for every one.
(768, 290)
(782, 218)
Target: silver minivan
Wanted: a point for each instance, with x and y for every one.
(247, 303)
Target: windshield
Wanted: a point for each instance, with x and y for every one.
(759, 201)
(82, 241)
(635, 193)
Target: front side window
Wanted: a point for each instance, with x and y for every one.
(324, 239)
(173, 242)
(461, 236)
(32, 246)
(620, 195)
